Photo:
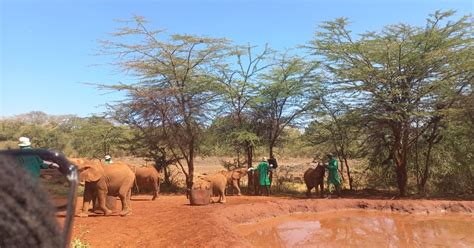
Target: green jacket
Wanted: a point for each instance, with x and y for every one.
(333, 177)
(263, 174)
(33, 163)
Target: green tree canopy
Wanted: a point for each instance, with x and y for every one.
(402, 76)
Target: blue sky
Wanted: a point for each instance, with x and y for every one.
(48, 48)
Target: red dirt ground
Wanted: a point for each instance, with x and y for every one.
(170, 221)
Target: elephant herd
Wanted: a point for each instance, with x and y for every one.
(313, 178)
(118, 179)
(115, 180)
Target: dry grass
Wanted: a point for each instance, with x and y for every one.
(206, 165)
(288, 176)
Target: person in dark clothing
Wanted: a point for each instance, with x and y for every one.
(272, 162)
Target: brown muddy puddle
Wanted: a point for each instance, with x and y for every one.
(361, 228)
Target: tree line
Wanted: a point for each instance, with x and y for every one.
(399, 98)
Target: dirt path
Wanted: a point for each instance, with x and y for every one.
(171, 222)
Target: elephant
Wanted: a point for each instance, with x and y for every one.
(254, 182)
(217, 182)
(233, 179)
(101, 181)
(314, 177)
(148, 178)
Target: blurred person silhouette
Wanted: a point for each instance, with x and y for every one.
(27, 216)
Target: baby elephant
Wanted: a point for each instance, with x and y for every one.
(148, 178)
(216, 182)
(314, 177)
(233, 179)
(103, 181)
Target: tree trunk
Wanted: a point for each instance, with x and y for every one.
(417, 160)
(431, 141)
(425, 175)
(400, 152)
(238, 157)
(166, 172)
(402, 179)
(401, 170)
(270, 148)
(348, 172)
(189, 180)
(249, 150)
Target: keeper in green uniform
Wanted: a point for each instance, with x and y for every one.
(333, 177)
(32, 163)
(263, 171)
(108, 159)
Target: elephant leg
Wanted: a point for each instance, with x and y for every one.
(338, 190)
(235, 184)
(321, 193)
(250, 183)
(95, 201)
(156, 190)
(222, 197)
(102, 199)
(124, 195)
(255, 187)
(128, 199)
(88, 197)
(308, 191)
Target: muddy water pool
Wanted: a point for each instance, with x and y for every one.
(361, 228)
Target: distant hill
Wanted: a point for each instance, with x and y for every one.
(39, 118)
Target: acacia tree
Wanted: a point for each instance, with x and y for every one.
(175, 88)
(239, 86)
(398, 76)
(340, 128)
(285, 96)
(94, 137)
(147, 138)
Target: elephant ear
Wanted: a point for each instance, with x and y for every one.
(77, 161)
(238, 173)
(91, 172)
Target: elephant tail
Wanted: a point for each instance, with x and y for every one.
(136, 185)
